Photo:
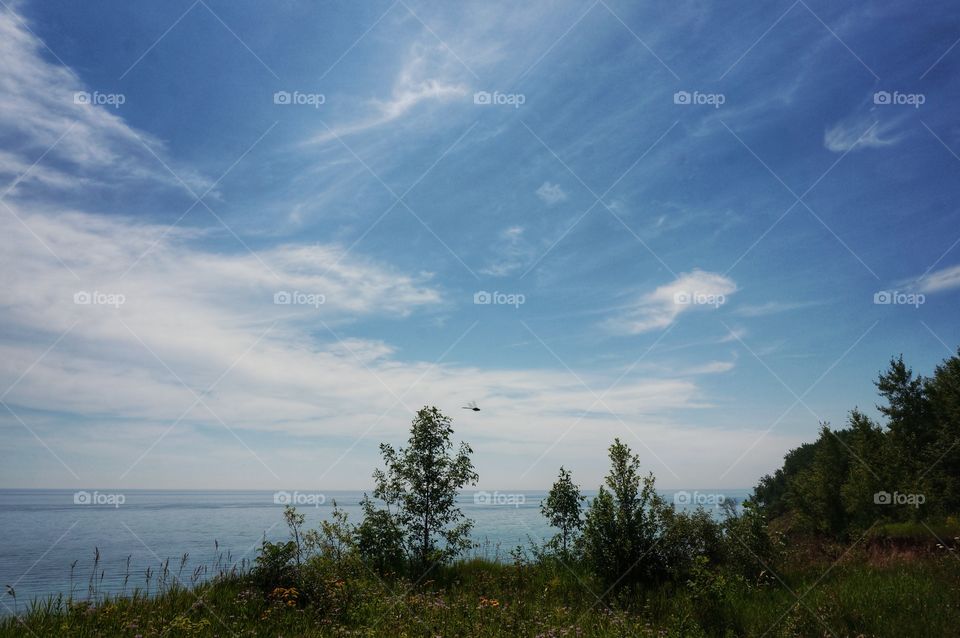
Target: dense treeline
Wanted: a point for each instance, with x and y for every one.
(870, 475)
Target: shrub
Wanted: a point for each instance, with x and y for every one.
(625, 523)
(275, 566)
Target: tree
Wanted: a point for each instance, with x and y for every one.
(941, 471)
(908, 414)
(419, 487)
(815, 492)
(868, 467)
(625, 522)
(562, 509)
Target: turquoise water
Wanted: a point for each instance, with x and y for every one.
(46, 531)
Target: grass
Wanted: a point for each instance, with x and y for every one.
(919, 596)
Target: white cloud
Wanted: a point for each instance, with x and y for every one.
(294, 371)
(81, 144)
(660, 308)
(551, 194)
(940, 280)
(424, 78)
(857, 133)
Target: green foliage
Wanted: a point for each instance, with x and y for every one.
(486, 599)
(275, 565)
(336, 538)
(562, 509)
(687, 537)
(749, 549)
(624, 524)
(419, 487)
(294, 521)
(815, 491)
(380, 539)
(836, 486)
(712, 592)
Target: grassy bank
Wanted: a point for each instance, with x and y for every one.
(859, 596)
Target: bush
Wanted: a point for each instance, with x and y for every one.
(625, 524)
(749, 548)
(379, 539)
(275, 565)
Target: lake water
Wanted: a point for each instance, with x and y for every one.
(46, 531)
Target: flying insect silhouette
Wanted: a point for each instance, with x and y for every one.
(471, 406)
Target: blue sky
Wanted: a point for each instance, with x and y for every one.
(688, 213)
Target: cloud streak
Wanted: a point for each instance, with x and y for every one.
(659, 308)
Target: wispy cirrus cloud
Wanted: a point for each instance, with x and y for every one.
(940, 280)
(83, 145)
(859, 133)
(426, 77)
(661, 307)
